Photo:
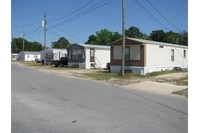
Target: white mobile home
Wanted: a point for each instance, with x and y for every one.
(49, 55)
(29, 56)
(14, 56)
(88, 56)
(145, 56)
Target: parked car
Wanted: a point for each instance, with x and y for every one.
(60, 63)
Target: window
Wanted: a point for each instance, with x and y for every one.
(127, 53)
(184, 53)
(35, 56)
(28, 56)
(76, 54)
(161, 46)
(172, 55)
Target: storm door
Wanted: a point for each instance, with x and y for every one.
(92, 55)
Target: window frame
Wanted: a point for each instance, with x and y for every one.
(127, 55)
(172, 55)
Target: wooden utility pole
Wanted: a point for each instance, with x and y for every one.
(44, 24)
(123, 37)
(23, 40)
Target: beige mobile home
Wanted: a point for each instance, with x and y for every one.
(88, 56)
(145, 56)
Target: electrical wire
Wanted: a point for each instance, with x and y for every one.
(34, 31)
(162, 15)
(67, 33)
(96, 6)
(73, 11)
(150, 14)
(25, 25)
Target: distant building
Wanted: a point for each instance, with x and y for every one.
(51, 54)
(88, 56)
(14, 56)
(29, 56)
(145, 56)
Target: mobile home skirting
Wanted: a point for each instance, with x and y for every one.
(144, 70)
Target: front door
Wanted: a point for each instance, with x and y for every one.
(92, 55)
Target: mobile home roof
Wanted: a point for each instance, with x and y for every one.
(151, 42)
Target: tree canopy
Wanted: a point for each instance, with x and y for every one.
(61, 43)
(103, 37)
(17, 45)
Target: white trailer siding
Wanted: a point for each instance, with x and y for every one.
(102, 57)
(87, 59)
(156, 56)
(29, 56)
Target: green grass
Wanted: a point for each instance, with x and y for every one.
(101, 75)
(181, 92)
(153, 74)
(105, 75)
(31, 63)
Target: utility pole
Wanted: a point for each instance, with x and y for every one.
(23, 40)
(44, 25)
(123, 37)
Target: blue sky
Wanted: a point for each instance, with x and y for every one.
(62, 17)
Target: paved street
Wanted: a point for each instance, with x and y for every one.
(50, 103)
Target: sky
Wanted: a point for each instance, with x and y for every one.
(76, 20)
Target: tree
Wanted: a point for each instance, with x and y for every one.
(61, 43)
(92, 39)
(158, 35)
(183, 39)
(172, 37)
(17, 45)
(135, 32)
(103, 37)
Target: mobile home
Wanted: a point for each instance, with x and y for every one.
(88, 56)
(146, 56)
(14, 56)
(29, 56)
(49, 55)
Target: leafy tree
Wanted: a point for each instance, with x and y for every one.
(61, 43)
(115, 36)
(103, 37)
(158, 35)
(17, 45)
(135, 32)
(172, 37)
(183, 39)
(92, 39)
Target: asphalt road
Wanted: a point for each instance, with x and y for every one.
(50, 103)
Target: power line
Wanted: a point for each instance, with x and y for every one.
(19, 26)
(73, 11)
(66, 32)
(96, 6)
(54, 33)
(150, 14)
(34, 30)
(162, 15)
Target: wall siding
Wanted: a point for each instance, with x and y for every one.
(162, 56)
